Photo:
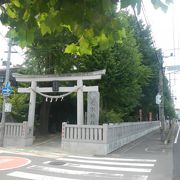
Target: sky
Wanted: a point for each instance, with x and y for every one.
(16, 58)
(165, 31)
(166, 34)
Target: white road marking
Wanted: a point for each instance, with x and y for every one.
(73, 172)
(109, 168)
(32, 176)
(106, 162)
(114, 159)
(175, 141)
(47, 162)
(138, 177)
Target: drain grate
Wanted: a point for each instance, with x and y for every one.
(57, 163)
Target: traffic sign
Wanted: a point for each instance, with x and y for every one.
(6, 90)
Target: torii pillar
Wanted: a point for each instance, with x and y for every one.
(32, 106)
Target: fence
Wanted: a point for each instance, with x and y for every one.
(17, 134)
(103, 139)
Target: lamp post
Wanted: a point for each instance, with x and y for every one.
(5, 97)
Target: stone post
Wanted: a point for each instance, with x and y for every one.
(93, 108)
(80, 103)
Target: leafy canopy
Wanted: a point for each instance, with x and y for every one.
(93, 22)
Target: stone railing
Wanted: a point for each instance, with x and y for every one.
(103, 139)
(17, 134)
(82, 133)
(119, 135)
(15, 129)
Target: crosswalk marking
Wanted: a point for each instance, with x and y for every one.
(32, 176)
(114, 159)
(108, 168)
(106, 162)
(81, 167)
(73, 172)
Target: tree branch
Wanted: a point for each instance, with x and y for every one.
(4, 1)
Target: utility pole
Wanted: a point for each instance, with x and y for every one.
(161, 104)
(5, 97)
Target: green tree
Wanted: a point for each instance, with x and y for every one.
(149, 58)
(93, 22)
(20, 106)
(121, 87)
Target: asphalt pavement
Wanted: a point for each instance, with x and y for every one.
(144, 159)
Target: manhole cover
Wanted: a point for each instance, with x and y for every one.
(57, 163)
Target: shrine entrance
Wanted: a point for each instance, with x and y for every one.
(59, 112)
(79, 88)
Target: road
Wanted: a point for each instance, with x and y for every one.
(176, 155)
(72, 167)
(144, 159)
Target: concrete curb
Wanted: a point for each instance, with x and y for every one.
(169, 134)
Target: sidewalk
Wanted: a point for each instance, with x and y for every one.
(151, 147)
(44, 146)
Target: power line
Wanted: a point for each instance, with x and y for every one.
(12, 46)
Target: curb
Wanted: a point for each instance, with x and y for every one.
(169, 135)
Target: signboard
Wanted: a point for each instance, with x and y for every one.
(173, 68)
(158, 98)
(8, 107)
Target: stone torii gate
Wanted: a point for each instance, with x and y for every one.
(79, 88)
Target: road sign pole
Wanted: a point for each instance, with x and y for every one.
(5, 97)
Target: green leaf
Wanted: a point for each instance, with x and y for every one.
(72, 49)
(67, 27)
(26, 15)
(16, 3)
(23, 43)
(133, 3)
(12, 33)
(30, 36)
(126, 3)
(45, 29)
(89, 33)
(84, 46)
(103, 41)
(10, 12)
(159, 4)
